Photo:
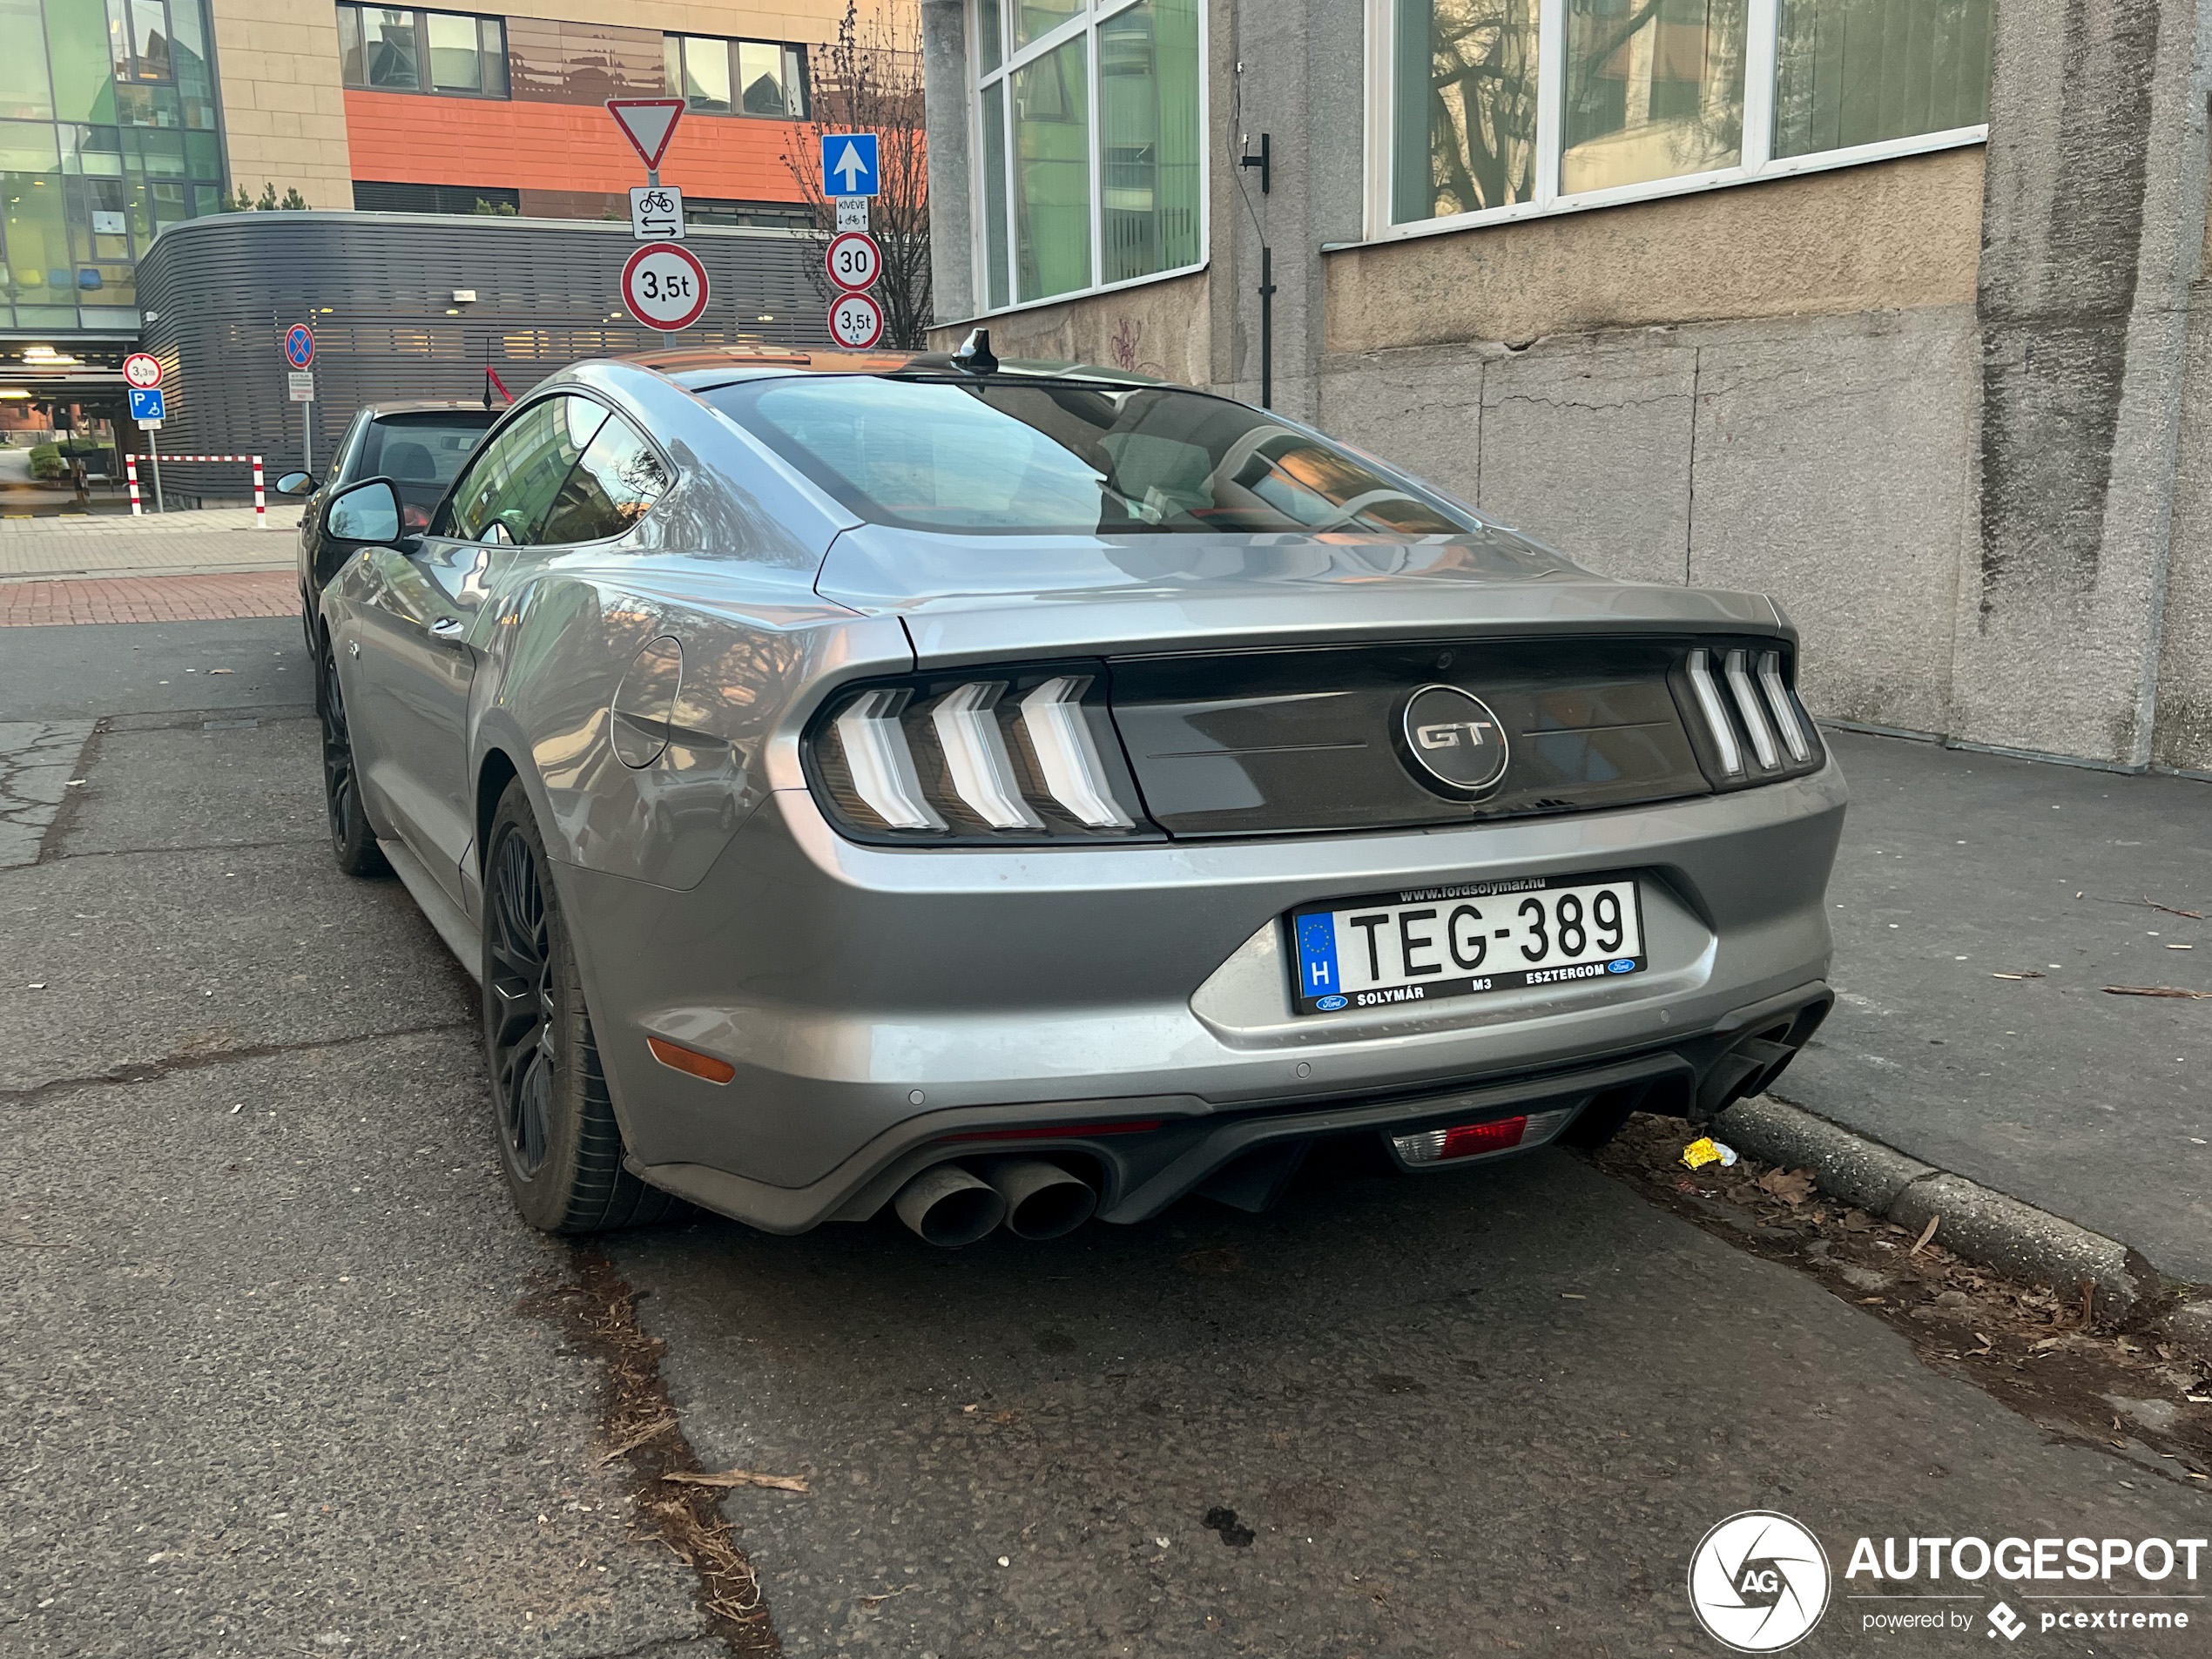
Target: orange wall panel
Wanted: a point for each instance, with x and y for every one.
(401, 138)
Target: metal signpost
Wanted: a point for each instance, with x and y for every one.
(853, 259)
(299, 352)
(147, 408)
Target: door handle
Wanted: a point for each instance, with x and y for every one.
(448, 628)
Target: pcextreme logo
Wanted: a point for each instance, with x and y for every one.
(1758, 1581)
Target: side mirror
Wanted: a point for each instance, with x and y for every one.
(296, 483)
(366, 512)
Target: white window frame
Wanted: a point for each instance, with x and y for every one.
(1085, 22)
(1762, 27)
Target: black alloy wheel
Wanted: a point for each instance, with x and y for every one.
(350, 838)
(559, 1144)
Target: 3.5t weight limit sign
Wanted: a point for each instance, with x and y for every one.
(664, 286)
(856, 320)
(855, 260)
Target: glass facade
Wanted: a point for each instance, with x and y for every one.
(107, 133)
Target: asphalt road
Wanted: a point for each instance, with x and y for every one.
(282, 1382)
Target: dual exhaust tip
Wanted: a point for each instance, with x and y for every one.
(953, 1204)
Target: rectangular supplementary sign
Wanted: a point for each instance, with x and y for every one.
(656, 213)
(849, 164)
(302, 381)
(852, 214)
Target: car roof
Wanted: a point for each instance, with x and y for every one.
(433, 406)
(698, 367)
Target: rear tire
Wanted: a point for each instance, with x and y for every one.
(352, 840)
(560, 1147)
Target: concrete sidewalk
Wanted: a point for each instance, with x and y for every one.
(216, 541)
(1957, 869)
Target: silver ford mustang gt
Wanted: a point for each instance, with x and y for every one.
(1017, 792)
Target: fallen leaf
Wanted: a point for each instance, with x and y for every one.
(2154, 990)
(1926, 1233)
(1791, 1186)
(738, 1478)
(222, 671)
(1857, 1221)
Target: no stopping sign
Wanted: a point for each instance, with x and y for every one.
(664, 286)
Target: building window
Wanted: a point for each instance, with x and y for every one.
(383, 49)
(1090, 166)
(1505, 107)
(718, 77)
(490, 201)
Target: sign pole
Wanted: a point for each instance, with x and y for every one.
(153, 453)
(306, 437)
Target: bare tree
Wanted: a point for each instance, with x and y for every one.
(869, 80)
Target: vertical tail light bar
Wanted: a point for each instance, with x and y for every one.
(1053, 716)
(1785, 712)
(1747, 700)
(1700, 669)
(882, 766)
(981, 771)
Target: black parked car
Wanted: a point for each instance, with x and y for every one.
(420, 447)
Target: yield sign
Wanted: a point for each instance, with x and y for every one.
(648, 123)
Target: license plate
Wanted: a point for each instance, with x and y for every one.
(1422, 944)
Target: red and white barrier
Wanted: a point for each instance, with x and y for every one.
(261, 500)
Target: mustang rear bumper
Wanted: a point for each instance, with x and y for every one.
(880, 1003)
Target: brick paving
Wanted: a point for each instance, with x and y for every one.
(161, 598)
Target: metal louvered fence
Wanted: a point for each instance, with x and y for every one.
(216, 295)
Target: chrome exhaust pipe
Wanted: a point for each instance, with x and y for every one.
(947, 1206)
(1042, 1200)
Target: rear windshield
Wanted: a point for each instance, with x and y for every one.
(1062, 457)
(419, 452)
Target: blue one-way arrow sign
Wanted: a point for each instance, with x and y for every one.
(145, 402)
(849, 164)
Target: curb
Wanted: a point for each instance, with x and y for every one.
(1982, 1225)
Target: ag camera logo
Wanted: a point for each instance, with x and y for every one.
(1758, 1581)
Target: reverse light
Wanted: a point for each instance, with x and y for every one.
(1481, 1140)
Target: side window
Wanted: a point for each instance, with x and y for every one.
(615, 483)
(515, 479)
(349, 451)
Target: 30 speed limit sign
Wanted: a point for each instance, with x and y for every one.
(855, 260)
(856, 320)
(664, 286)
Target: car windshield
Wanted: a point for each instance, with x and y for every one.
(420, 453)
(1063, 458)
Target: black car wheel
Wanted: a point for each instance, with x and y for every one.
(559, 1143)
(351, 838)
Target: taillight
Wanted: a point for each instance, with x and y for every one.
(1480, 1140)
(1751, 728)
(1010, 756)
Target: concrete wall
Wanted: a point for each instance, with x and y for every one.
(1955, 410)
